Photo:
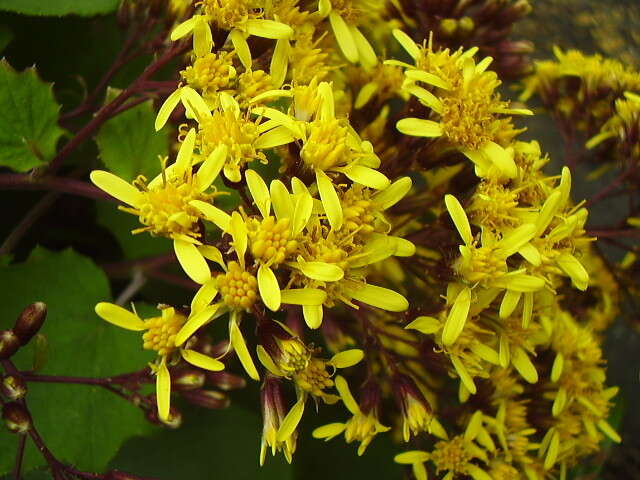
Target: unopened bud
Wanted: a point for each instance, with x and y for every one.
(16, 417)
(9, 344)
(225, 380)
(515, 47)
(174, 421)
(207, 399)
(30, 321)
(466, 25)
(13, 388)
(448, 27)
(188, 379)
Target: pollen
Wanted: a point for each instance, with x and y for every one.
(314, 378)
(252, 84)
(294, 356)
(494, 205)
(358, 210)
(227, 14)
(210, 73)
(326, 146)
(467, 119)
(165, 210)
(270, 240)
(238, 287)
(237, 133)
(161, 332)
(451, 456)
(483, 264)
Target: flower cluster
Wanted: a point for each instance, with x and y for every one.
(385, 205)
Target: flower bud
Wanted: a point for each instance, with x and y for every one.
(225, 380)
(415, 408)
(30, 321)
(175, 417)
(187, 379)
(9, 344)
(207, 398)
(273, 412)
(16, 417)
(13, 388)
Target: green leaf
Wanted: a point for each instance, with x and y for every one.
(83, 425)
(58, 8)
(210, 444)
(29, 128)
(129, 145)
(6, 35)
(120, 224)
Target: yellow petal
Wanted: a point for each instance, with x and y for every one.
(516, 239)
(267, 361)
(557, 368)
(259, 192)
(163, 391)
(202, 361)
(291, 421)
(367, 176)
(211, 167)
(457, 317)
(268, 29)
(330, 200)
(240, 347)
(242, 48)
(303, 296)
(519, 282)
(269, 288)
(327, 107)
(238, 230)
(426, 77)
(184, 28)
(274, 138)
(167, 108)
(459, 218)
(426, 325)
(509, 303)
(608, 430)
(466, 379)
(365, 94)
(427, 98)
(213, 214)
(413, 456)
(347, 358)
(418, 127)
(185, 154)
(486, 353)
(312, 315)
(524, 366)
(407, 43)
(552, 451)
(116, 187)
(324, 272)
(281, 199)
(501, 158)
(474, 426)
(327, 432)
(303, 207)
(194, 323)
(393, 193)
(531, 254)
(345, 394)
(378, 297)
(572, 267)
(119, 316)
(279, 62)
(324, 8)
(366, 53)
(477, 473)
(194, 104)
(202, 39)
(344, 37)
(192, 261)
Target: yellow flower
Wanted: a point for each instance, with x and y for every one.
(362, 427)
(466, 104)
(344, 16)
(164, 204)
(273, 413)
(239, 18)
(160, 335)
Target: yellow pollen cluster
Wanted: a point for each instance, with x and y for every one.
(161, 333)
(314, 378)
(484, 264)
(451, 456)
(252, 84)
(166, 211)
(238, 134)
(308, 61)
(270, 242)
(227, 14)
(493, 204)
(238, 287)
(467, 119)
(326, 146)
(357, 209)
(210, 73)
(294, 356)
